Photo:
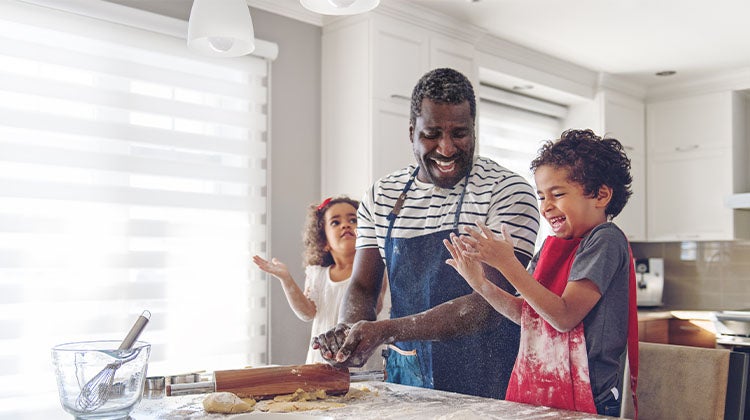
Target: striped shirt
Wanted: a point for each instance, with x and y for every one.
(494, 195)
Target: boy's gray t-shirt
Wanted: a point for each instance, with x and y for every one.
(604, 258)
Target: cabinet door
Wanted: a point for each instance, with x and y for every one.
(686, 196)
(400, 58)
(692, 332)
(702, 122)
(632, 219)
(391, 146)
(624, 119)
(455, 54)
(346, 110)
(654, 331)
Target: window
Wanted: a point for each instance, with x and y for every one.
(513, 127)
(132, 177)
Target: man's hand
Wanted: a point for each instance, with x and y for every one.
(350, 346)
(331, 341)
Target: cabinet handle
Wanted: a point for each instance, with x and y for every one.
(398, 96)
(629, 147)
(690, 236)
(688, 328)
(686, 148)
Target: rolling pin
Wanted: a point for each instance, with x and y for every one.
(268, 382)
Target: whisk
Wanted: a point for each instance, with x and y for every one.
(97, 390)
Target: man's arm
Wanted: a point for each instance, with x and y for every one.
(359, 303)
(361, 297)
(461, 316)
(353, 344)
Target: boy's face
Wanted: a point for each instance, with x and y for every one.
(340, 223)
(570, 213)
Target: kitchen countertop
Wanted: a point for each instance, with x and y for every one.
(384, 401)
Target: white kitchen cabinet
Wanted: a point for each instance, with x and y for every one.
(459, 55)
(692, 124)
(391, 129)
(620, 116)
(623, 118)
(697, 156)
(370, 64)
(401, 54)
(632, 219)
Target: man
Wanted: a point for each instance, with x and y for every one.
(442, 335)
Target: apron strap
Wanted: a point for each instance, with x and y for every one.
(460, 203)
(399, 203)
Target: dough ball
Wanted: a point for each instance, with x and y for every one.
(226, 403)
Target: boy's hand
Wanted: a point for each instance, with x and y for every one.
(463, 261)
(495, 250)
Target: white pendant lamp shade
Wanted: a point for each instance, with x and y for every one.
(339, 7)
(221, 28)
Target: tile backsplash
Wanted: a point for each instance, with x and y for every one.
(702, 275)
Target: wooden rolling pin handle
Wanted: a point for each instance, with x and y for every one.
(268, 382)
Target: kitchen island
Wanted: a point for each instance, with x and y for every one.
(379, 401)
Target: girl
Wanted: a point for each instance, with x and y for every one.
(329, 237)
(576, 306)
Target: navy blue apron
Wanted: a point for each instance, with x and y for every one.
(419, 278)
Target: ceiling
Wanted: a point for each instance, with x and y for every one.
(629, 38)
(633, 39)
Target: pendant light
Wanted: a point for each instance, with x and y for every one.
(339, 7)
(220, 28)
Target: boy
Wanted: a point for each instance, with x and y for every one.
(576, 297)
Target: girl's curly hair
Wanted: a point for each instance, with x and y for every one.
(591, 161)
(314, 234)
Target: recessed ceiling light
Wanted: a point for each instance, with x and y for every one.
(666, 73)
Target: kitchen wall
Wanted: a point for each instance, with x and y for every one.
(702, 275)
(294, 156)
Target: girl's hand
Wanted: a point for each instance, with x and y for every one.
(274, 267)
(462, 261)
(495, 250)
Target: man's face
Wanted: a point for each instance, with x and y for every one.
(443, 142)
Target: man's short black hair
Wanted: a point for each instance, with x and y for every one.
(443, 85)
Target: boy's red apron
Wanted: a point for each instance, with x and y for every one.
(552, 367)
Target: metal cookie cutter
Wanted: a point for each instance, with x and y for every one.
(154, 387)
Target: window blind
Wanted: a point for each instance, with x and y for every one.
(513, 127)
(132, 177)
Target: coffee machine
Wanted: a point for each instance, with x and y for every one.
(649, 280)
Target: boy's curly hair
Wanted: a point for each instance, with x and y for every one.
(592, 162)
(314, 234)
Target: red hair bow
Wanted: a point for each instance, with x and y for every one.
(324, 203)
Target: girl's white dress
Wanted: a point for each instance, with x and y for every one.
(327, 296)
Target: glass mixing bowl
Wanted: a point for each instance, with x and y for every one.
(97, 381)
